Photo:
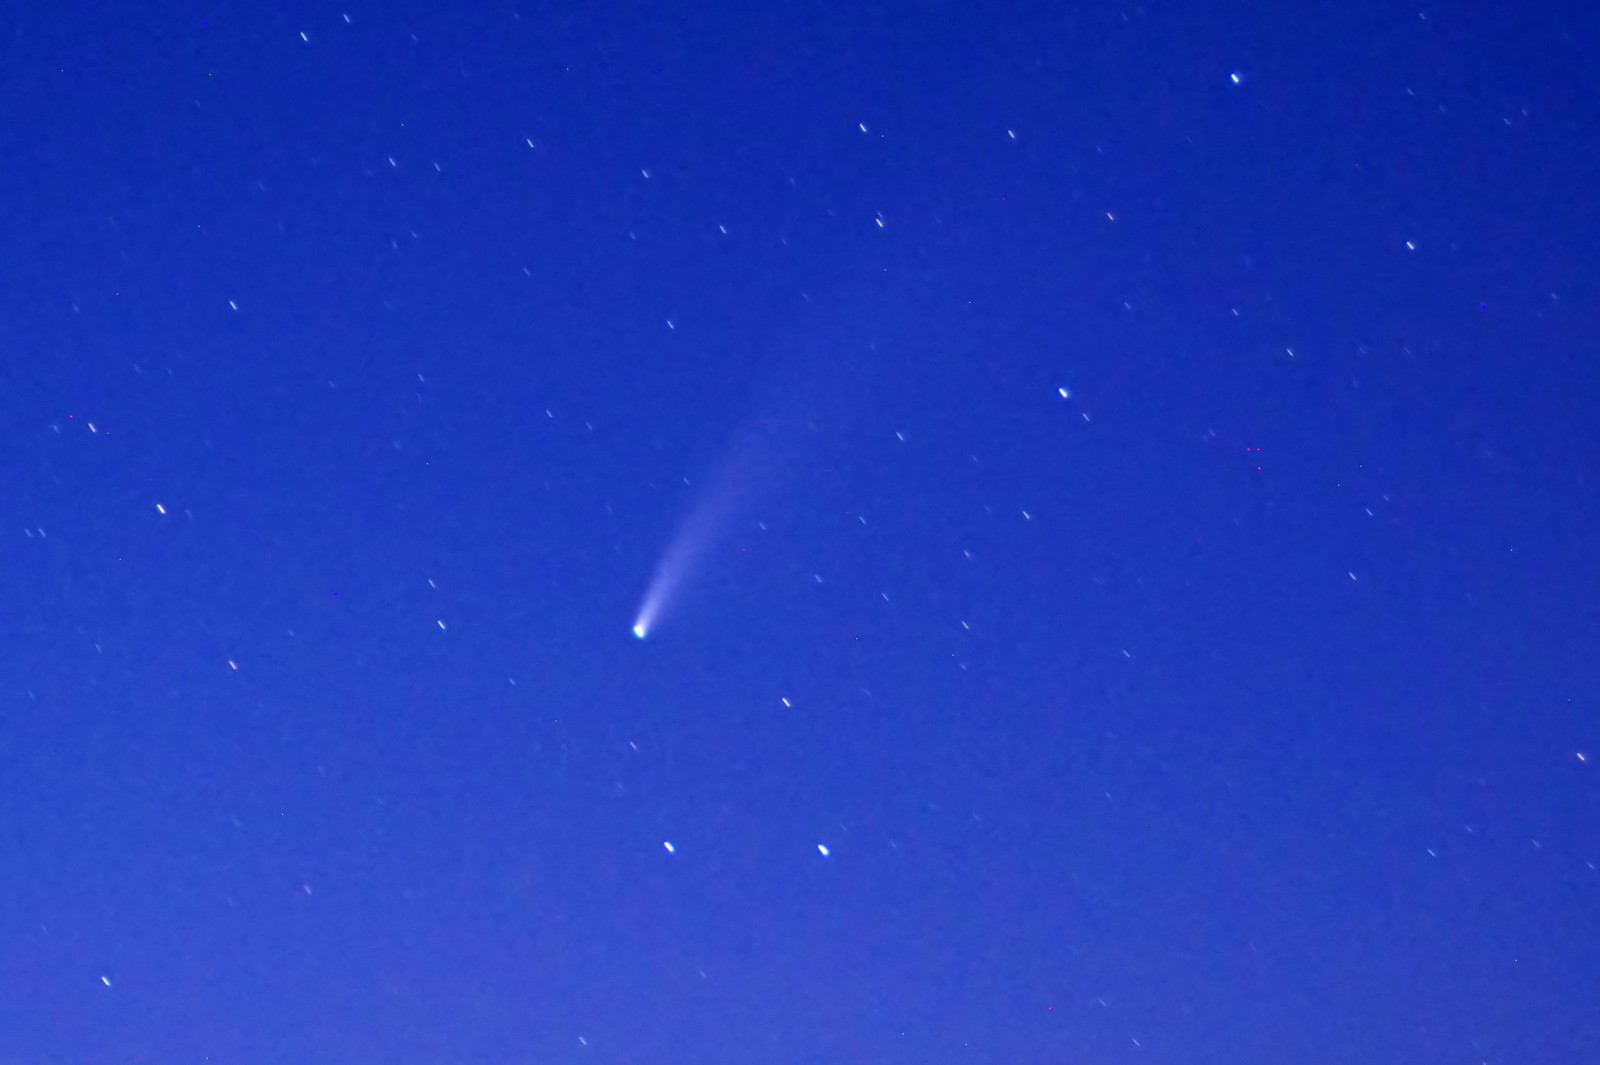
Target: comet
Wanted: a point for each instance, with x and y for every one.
(699, 533)
(819, 381)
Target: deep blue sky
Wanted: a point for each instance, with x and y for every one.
(1135, 465)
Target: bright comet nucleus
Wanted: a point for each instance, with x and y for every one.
(639, 630)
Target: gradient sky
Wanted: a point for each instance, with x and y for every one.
(1122, 480)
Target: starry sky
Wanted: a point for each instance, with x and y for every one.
(1106, 491)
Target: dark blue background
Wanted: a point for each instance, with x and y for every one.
(1230, 708)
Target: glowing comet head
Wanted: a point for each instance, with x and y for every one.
(650, 610)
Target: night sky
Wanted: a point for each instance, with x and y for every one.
(1107, 491)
